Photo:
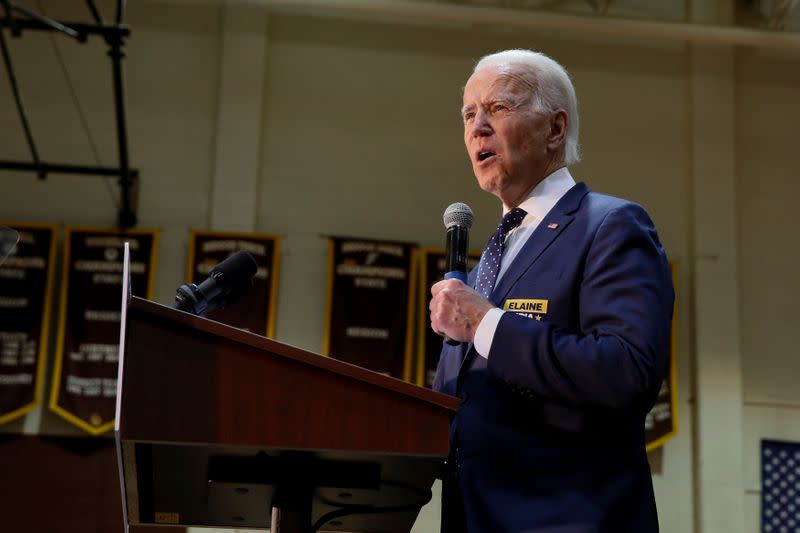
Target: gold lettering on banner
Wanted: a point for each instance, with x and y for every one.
(168, 518)
(526, 306)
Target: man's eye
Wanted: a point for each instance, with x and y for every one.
(498, 107)
(468, 116)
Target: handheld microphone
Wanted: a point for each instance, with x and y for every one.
(227, 281)
(458, 219)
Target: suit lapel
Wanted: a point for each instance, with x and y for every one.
(545, 233)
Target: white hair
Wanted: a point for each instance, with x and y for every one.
(552, 89)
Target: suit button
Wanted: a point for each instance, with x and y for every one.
(464, 396)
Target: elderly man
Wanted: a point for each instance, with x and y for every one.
(563, 327)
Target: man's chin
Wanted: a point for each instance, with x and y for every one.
(490, 184)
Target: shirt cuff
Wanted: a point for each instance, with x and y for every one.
(484, 334)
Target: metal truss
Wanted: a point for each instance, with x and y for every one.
(19, 19)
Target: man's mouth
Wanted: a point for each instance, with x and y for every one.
(484, 155)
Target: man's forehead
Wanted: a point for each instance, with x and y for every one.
(495, 81)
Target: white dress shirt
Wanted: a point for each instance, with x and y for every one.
(538, 203)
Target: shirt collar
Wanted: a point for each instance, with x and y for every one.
(547, 193)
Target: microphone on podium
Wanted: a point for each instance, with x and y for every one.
(227, 281)
(458, 219)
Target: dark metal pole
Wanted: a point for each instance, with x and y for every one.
(10, 21)
(54, 24)
(12, 78)
(120, 11)
(127, 218)
(62, 168)
(95, 12)
(82, 28)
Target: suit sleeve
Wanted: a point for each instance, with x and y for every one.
(438, 379)
(617, 358)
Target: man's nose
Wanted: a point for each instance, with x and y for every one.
(480, 125)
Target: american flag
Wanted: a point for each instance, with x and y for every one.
(780, 486)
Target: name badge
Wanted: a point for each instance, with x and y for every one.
(529, 308)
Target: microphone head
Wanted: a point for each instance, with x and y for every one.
(234, 276)
(458, 214)
(227, 281)
(238, 266)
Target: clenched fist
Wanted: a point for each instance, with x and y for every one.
(456, 310)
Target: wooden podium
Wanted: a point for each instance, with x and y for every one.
(217, 426)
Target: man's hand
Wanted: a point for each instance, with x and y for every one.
(456, 310)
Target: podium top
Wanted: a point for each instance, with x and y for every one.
(229, 386)
(277, 348)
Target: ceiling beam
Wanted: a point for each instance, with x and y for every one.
(540, 20)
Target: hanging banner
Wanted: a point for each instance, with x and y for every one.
(370, 304)
(85, 373)
(254, 310)
(26, 287)
(661, 423)
(429, 344)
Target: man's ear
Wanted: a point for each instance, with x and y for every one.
(558, 129)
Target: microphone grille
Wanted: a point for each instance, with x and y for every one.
(238, 266)
(458, 214)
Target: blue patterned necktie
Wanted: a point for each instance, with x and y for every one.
(490, 260)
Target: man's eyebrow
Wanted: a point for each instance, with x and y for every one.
(512, 102)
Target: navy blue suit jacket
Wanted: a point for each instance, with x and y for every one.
(550, 434)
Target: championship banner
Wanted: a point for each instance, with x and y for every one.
(255, 310)
(85, 374)
(429, 344)
(370, 304)
(661, 423)
(26, 287)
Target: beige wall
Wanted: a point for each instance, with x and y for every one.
(769, 260)
(360, 136)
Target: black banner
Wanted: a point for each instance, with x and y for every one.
(255, 310)
(370, 304)
(661, 423)
(26, 286)
(429, 344)
(85, 375)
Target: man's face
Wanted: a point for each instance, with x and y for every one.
(506, 138)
